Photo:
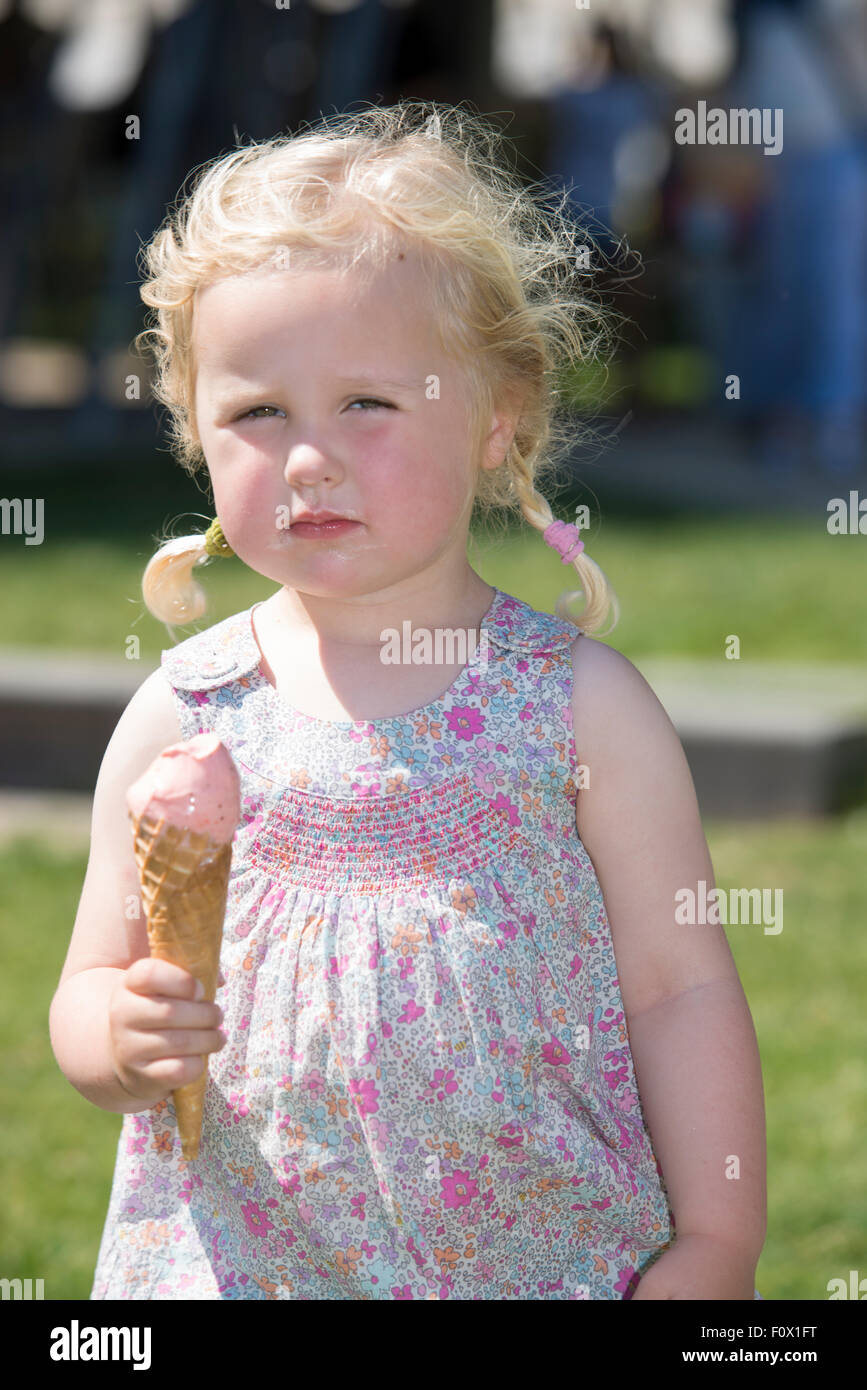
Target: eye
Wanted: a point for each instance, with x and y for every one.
(369, 401)
(254, 415)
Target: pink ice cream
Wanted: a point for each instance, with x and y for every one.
(192, 785)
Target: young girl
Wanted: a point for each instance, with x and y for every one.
(466, 1050)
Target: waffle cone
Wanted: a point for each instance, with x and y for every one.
(184, 884)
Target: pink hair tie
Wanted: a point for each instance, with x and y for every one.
(564, 538)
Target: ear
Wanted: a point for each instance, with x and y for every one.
(504, 423)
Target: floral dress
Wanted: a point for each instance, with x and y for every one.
(427, 1089)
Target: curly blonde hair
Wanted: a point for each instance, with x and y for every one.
(506, 266)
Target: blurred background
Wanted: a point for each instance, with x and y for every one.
(724, 482)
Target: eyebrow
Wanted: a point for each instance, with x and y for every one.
(237, 384)
(371, 379)
(240, 390)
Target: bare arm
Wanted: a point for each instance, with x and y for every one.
(690, 1029)
(114, 1010)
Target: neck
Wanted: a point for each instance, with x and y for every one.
(457, 601)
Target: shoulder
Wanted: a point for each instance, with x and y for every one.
(630, 751)
(147, 726)
(613, 706)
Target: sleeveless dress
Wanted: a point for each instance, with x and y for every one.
(427, 1089)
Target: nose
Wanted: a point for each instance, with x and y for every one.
(309, 466)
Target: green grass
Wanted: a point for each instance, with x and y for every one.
(806, 988)
(789, 590)
(56, 1150)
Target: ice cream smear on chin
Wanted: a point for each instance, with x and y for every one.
(192, 785)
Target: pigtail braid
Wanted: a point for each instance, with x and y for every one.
(169, 591)
(598, 595)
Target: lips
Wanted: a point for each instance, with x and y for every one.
(321, 526)
(317, 518)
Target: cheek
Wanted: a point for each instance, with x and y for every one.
(243, 493)
(422, 487)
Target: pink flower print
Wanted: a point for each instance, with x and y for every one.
(465, 722)
(627, 1102)
(357, 1205)
(512, 1047)
(237, 1103)
(615, 1078)
(446, 1080)
(555, 1053)
(137, 1177)
(507, 808)
(510, 1136)
(256, 1220)
(459, 1189)
(291, 1184)
(364, 1093)
(628, 1280)
(361, 790)
(411, 1011)
(483, 776)
(401, 1291)
(201, 697)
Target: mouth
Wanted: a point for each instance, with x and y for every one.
(321, 525)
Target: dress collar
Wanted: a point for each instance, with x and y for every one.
(229, 652)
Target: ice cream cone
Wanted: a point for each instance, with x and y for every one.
(184, 884)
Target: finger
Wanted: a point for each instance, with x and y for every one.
(181, 1042)
(159, 1012)
(149, 975)
(221, 980)
(174, 1072)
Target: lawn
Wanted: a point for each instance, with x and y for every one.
(789, 590)
(806, 988)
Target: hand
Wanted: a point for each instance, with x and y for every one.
(700, 1267)
(159, 1032)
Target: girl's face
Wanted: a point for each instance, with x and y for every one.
(317, 392)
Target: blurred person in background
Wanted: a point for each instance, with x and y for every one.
(592, 117)
(802, 338)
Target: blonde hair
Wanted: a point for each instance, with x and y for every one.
(507, 268)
